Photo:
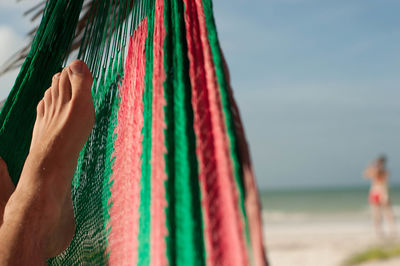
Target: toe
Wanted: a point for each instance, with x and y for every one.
(47, 99)
(55, 80)
(65, 86)
(81, 78)
(40, 109)
(55, 87)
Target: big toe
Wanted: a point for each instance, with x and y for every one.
(80, 77)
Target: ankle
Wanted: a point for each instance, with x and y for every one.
(22, 229)
(47, 173)
(32, 208)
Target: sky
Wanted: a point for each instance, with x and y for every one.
(317, 83)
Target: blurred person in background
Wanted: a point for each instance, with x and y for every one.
(379, 199)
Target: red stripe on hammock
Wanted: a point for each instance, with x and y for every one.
(125, 191)
(158, 149)
(225, 242)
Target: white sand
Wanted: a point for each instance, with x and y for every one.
(321, 243)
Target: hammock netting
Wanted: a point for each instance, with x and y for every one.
(165, 176)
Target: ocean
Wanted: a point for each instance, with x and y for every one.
(331, 204)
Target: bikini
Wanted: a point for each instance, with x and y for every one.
(378, 194)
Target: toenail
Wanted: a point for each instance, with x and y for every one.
(76, 68)
(56, 75)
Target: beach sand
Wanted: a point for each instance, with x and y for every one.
(389, 262)
(320, 243)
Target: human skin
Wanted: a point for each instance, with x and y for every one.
(38, 220)
(378, 175)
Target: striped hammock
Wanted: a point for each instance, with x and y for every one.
(165, 176)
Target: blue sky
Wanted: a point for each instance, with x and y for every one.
(317, 83)
(318, 86)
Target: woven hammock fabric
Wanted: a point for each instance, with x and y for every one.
(165, 177)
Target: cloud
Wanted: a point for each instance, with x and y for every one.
(10, 42)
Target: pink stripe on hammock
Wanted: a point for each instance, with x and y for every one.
(125, 191)
(158, 149)
(225, 242)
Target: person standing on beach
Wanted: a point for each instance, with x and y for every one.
(379, 194)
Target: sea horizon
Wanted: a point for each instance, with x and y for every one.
(365, 185)
(341, 203)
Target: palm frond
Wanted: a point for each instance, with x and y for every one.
(35, 13)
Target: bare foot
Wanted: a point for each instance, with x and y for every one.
(6, 188)
(65, 117)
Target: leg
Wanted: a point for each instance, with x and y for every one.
(6, 188)
(377, 217)
(387, 209)
(38, 218)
